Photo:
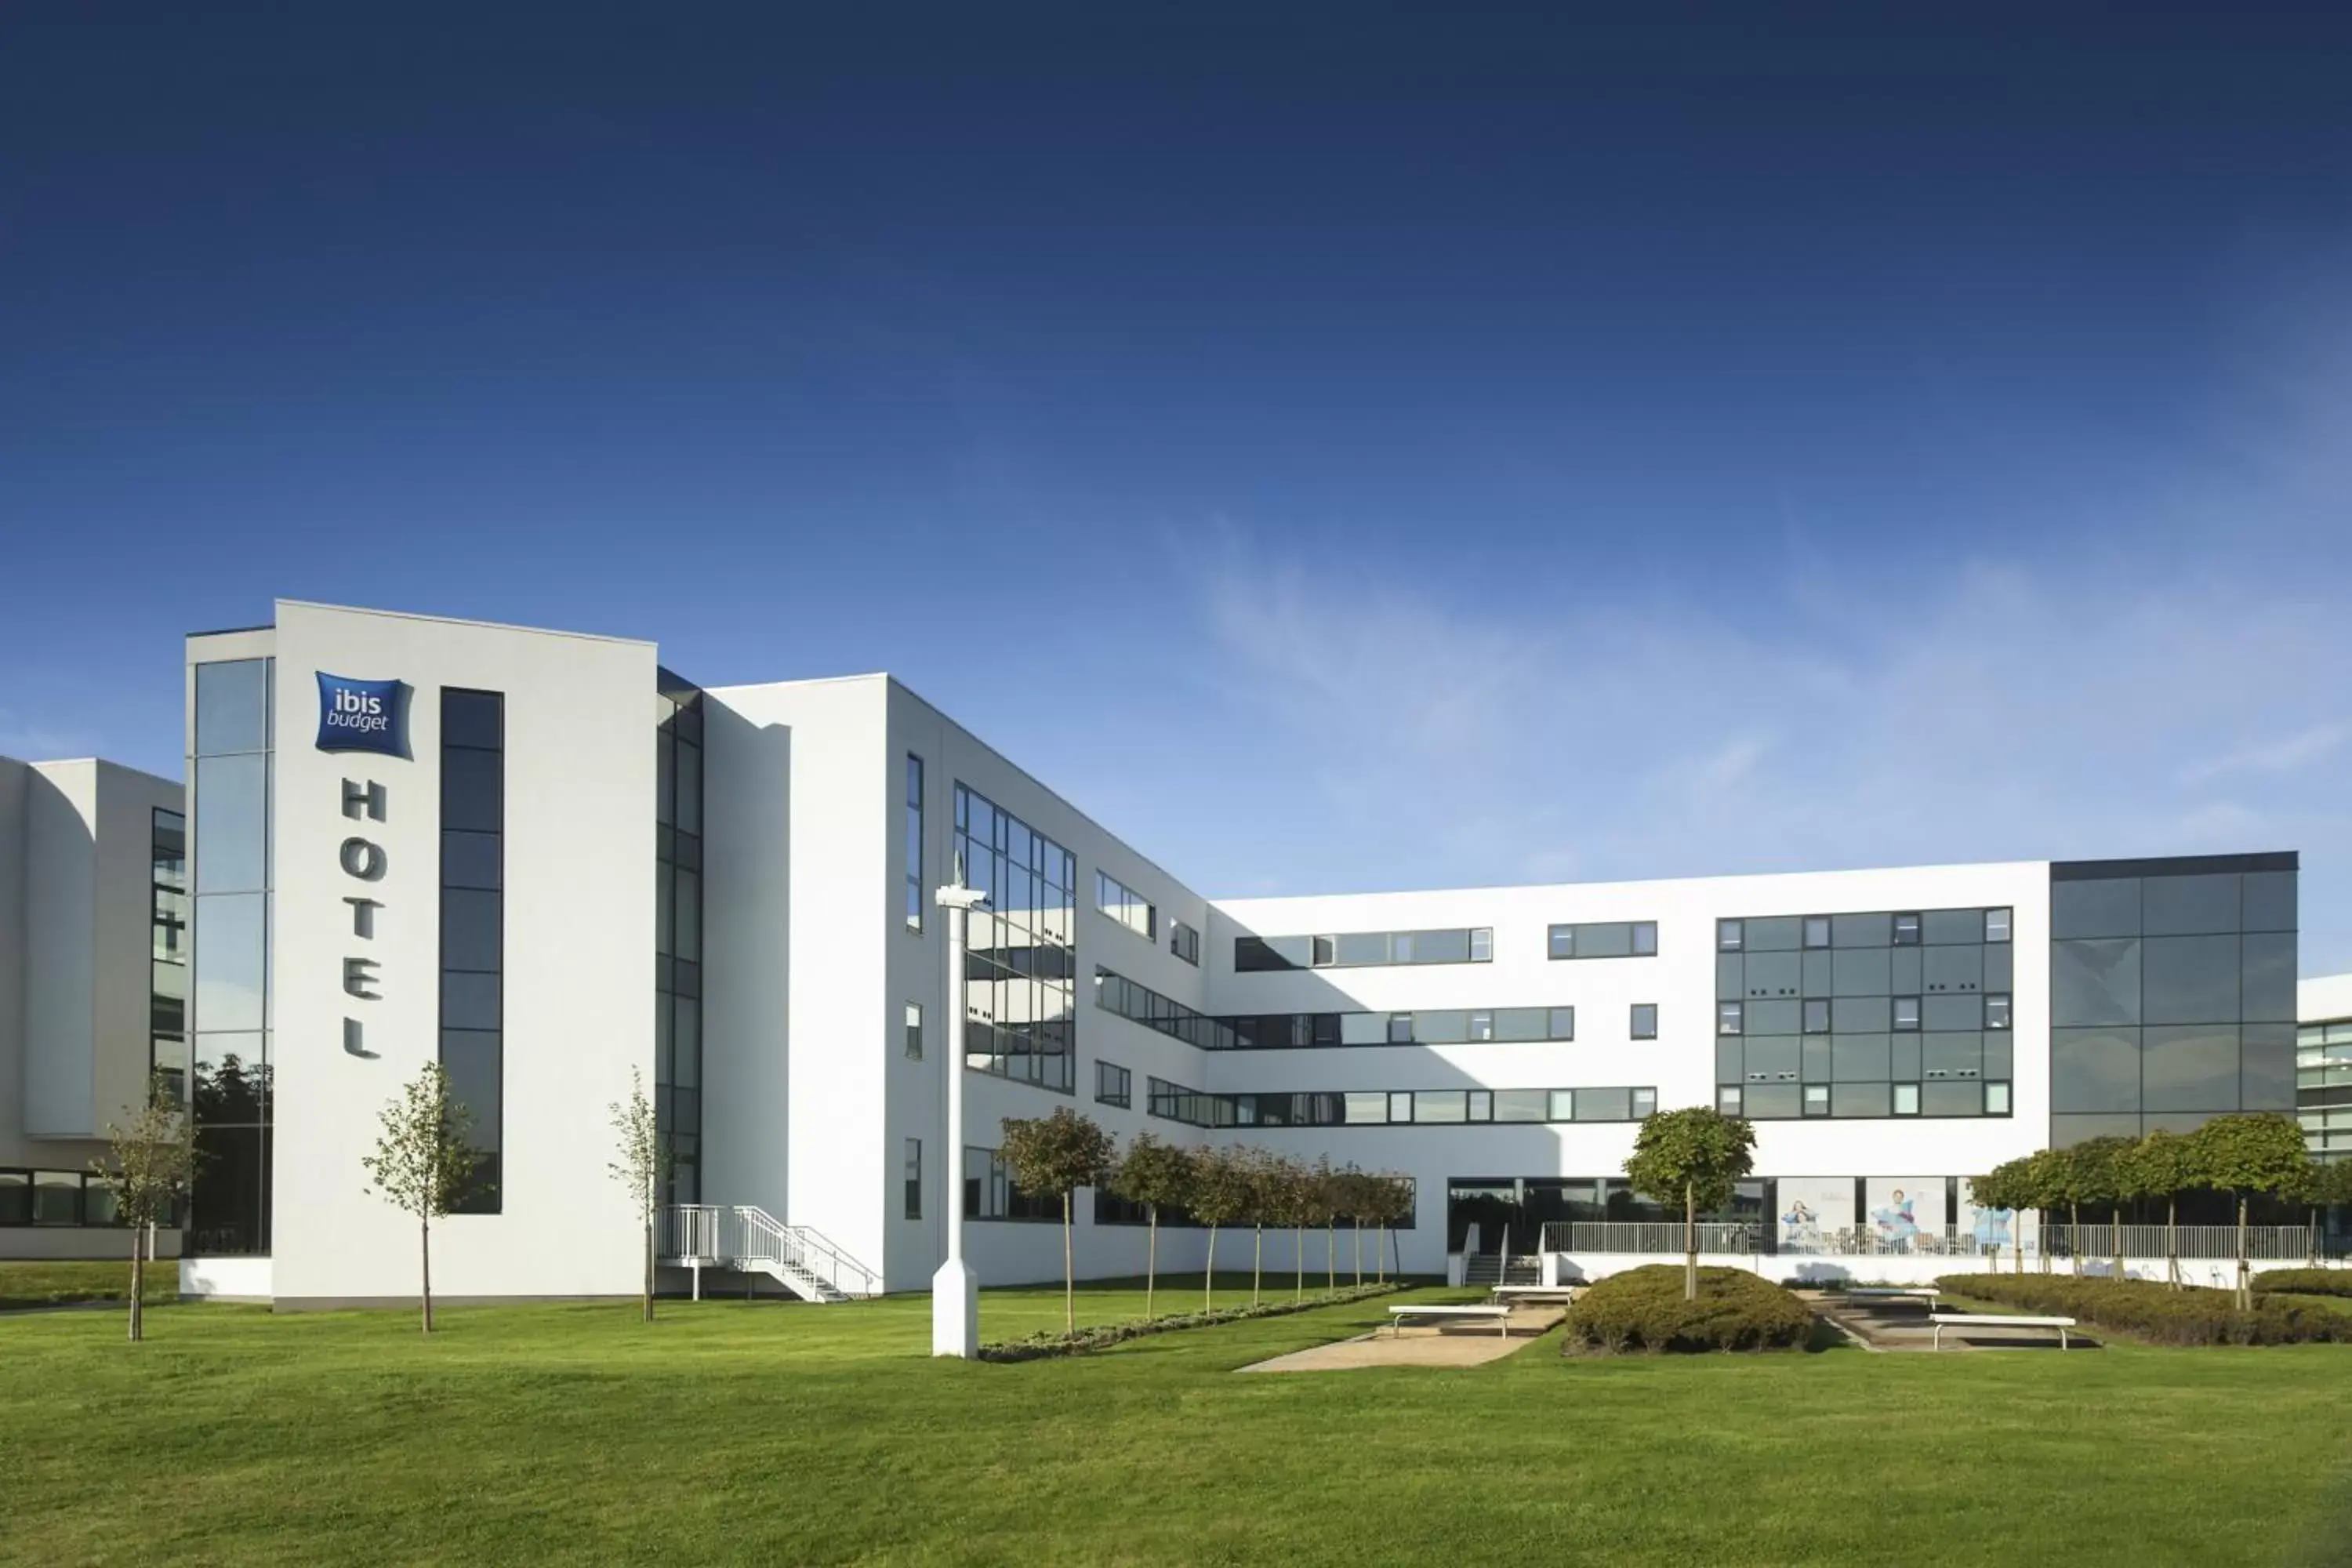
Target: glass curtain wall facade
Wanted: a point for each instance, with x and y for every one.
(2172, 993)
(473, 929)
(230, 780)
(678, 924)
(1022, 962)
(167, 1023)
(1882, 1014)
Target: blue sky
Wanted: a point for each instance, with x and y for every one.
(1340, 447)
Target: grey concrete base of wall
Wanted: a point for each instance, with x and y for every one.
(388, 1303)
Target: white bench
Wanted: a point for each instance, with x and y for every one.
(1501, 1315)
(1895, 1293)
(1534, 1292)
(1991, 1321)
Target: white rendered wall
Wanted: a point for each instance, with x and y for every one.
(1680, 1063)
(578, 962)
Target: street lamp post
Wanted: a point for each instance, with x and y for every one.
(955, 1293)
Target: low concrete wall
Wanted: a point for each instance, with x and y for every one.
(225, 1278)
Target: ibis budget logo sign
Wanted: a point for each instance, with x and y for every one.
(362, 715)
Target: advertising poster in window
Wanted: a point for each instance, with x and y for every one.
(1816, 1213)
(1985, 1231)
(1905, 1214)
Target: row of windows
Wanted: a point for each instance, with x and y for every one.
(1603, 938)
(1125, 905)
(1945, 970)
(228, 1006)
(55, 1197)
(677, 935)
(1915, 928)
(2200, 905)
(1363, 950)
(2177, 1068)
(1020, 970)
(1856, 1059)
(167, 969)
(1290, 1031)
(1368, 1107)
(1785, 1102)
(1861, 1015)
(2173, 980)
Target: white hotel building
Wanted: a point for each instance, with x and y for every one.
(563, 864)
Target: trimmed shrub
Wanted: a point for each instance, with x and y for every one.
(2192, 1315)
(1644, 1310)
(2306, 1281)
(1101, 1336)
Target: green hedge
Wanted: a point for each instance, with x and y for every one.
(1642, 1308)
(2192, 1315)
(2306, 1281)
(1101, 1336)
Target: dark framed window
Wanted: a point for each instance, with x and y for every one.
(914, 1174)
(1645, 1020)
(914, 1031)
(1602, 939)
(914, 846)
(473, 928)
(1114, 1085)
(1184, 943)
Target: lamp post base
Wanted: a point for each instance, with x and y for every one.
(955, 1310)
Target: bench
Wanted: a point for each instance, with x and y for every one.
(1535, 1292)
(1991, 1320)
(1894, 1293)
(1501, 1314)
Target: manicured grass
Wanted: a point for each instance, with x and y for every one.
(48, 1284)
(774, 1432)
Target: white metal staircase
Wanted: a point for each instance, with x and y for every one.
(747, 1237)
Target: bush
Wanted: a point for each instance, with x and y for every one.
(1642, 1308)
(2192, 1315)
(2306, 1281)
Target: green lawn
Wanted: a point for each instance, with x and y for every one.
(785, 1434)
(50, 1284)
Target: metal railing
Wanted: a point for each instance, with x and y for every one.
(739, 1234)
(2264, 1243)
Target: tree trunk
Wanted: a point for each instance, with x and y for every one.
(2016, 1241)
(1208, 1276)
(1069, 1276)
(649, 1268)
(1396, 1253)
(2311, 1253)
(1258, 1262)
(1152, 1261)
(1381, 1250)
(1690, 1242)
(2074, 1236)
(1360, 1250)
(1330, 1255)
(1298, 1262)
(2172, 1239)
(138, 1284)
(2117, 1216)
(2245, 1291)
(424, 1256)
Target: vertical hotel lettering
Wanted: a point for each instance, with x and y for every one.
(362, 716)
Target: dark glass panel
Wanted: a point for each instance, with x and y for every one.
(232, 706)
(469, 929)
(471, 1059)
(2267, 972)
(1858, 1099)
(471, 860)
(1947, 928)
(1862, 971)
(1776, 933)
(474, 719)
(2267, 1066)
(470, 1001)
(2192, 1068)
(1856, 1059)
(1952, 969)
(2269, 901)
(471, 791)
(1862, 931)
(2094, 981)
(2188, 980)
(2068, 1131)
(2094, 1070)
(2104, 907)
(1951, 1098)
(2189, 906)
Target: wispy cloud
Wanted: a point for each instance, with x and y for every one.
(2061, 712)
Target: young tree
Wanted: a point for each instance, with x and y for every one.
(1286, 1206)
(2256, 1151)
(1695, 1156)
(1220, 1193)
(1352, 1202)
(148, 1166)
(1323, 1190)
(1997, 1189)
(1152, 1173)
(2043, 1178)
(1059, 1153)
(1393, 1195)
(2331, 1186)
(2164, 1165)
(642, 1168)
(422, 1163)
(2093, 1173)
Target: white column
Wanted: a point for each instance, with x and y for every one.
(955, 1292)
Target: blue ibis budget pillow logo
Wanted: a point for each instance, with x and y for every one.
(362, 715)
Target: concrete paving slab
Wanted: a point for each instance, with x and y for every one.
(1450, 1345)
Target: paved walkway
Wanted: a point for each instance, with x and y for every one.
(1453, 1344)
